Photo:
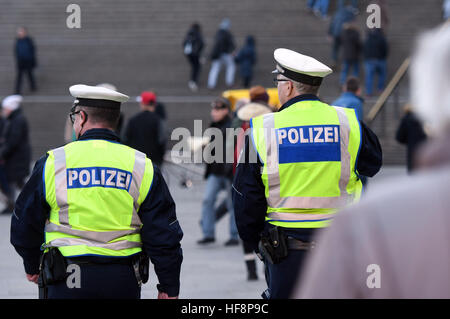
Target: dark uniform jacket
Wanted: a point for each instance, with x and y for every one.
(161, 233)
(248, 192)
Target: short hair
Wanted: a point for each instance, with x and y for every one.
(303, 88)
(106, 116)
(352, 84)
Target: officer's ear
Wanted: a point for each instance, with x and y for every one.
(83, 116)
(290, 88)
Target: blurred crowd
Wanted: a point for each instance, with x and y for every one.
(223, 54)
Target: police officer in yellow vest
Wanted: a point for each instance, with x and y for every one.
(298, 167)
(95, 210)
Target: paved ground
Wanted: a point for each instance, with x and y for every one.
(214, 271)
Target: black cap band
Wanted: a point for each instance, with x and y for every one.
(105, 104)
(300, 77)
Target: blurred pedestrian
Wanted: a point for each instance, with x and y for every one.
(145, 131)
(257, 94)
(4, 186)
(15, 150)
(218, 176)
(446, 9)
(351, 98)
(375, 56)
(352, 4)
(246, 59)
(394, 243)
(342, 16)
(319, 7)
(25, 53)
(222, 54)
(258, 97)
(192, 48)
(410, 132)
(351, 51)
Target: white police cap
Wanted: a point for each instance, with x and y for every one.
(299, 67)
(12, 102)
(96, 96)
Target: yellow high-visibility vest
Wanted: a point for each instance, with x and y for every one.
(94, 189)
(309, 152)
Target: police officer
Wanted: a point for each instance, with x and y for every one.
(99, 205)
(298, 167)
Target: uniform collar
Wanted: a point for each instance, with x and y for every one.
(100, 134)
(299, 98)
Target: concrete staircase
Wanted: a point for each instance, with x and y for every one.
(136, 45)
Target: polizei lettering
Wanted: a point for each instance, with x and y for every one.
(98, 177)
(309, 134)
(314, 143)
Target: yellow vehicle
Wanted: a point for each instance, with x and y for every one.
(234, 95)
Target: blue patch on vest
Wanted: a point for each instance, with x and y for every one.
(107, 177)
(316, 143)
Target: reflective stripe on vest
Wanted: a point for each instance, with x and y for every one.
(115, 240)
(314, 211)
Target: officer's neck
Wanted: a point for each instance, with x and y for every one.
(89, 126)
(299, 98)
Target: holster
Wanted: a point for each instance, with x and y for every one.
(273, 246)
(42, 288)
(141, 268)
(53, 267)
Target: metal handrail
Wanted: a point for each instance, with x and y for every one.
(376, 108)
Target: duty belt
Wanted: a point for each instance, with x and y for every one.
(86, 260)
(296, 244)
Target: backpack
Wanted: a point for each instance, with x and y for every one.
(188, 47)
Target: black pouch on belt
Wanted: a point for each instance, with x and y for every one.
(274, 246)
(54, 267)
(141, 267)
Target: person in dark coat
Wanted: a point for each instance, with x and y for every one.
(411, 133)
(351, 51)
(342, 15)
(246, 58)
(375, 55)
(15, 150)
(145, 131)
(222, 54)
(25, 54)
(192, 48)
(218, 174)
